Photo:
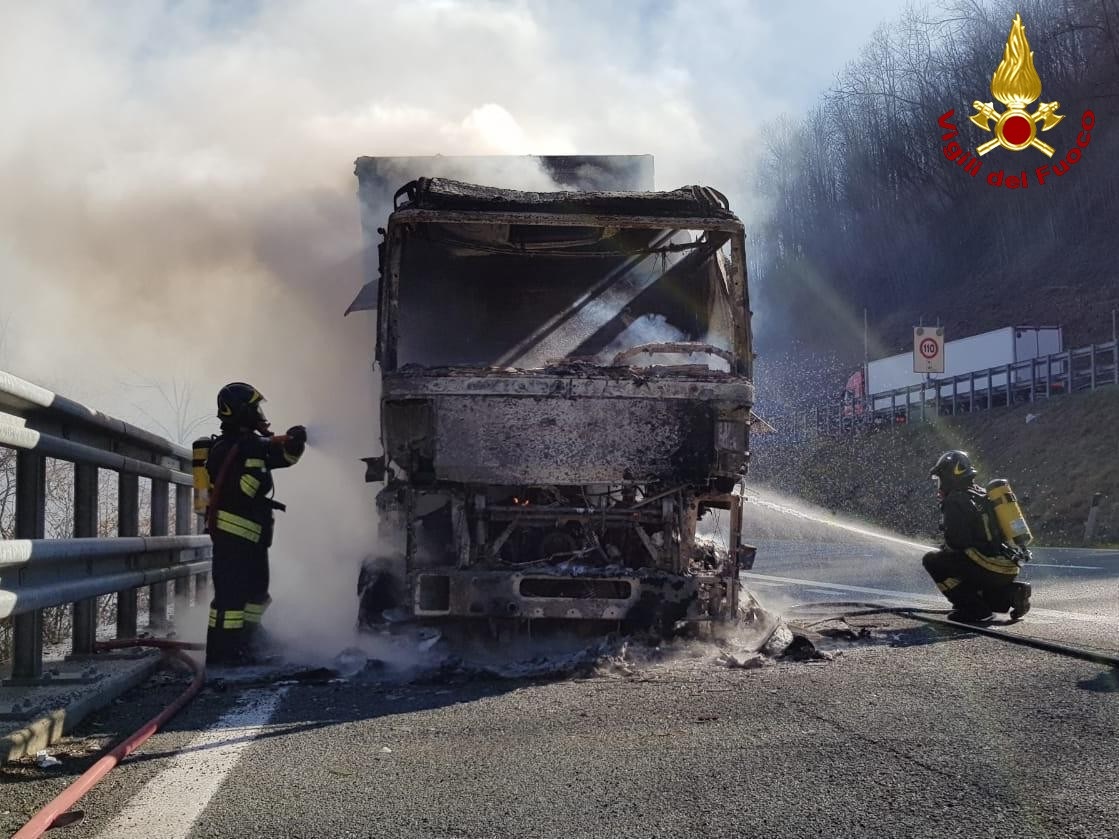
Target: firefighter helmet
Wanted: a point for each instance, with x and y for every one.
(239, 404)
(954, 467)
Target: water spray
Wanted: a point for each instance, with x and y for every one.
(838, 525)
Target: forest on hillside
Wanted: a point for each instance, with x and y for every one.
(868, 213)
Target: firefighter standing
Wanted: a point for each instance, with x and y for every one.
(240, 519)
(976, 569)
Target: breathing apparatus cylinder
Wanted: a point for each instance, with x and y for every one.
(1011, 519)
(200, 451)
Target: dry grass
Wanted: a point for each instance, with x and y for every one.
(1055, 464)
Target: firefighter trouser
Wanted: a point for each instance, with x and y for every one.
(973, 583)
(240, 578)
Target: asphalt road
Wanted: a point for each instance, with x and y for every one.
(1075, 590)
(914, 731)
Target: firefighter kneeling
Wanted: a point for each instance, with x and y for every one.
(985, 538)
(234, 483)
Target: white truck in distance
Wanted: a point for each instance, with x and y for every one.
(877, 388)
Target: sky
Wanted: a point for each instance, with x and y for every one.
(155, 155)
(177, 199)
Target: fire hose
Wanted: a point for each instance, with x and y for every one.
(1109, 660)
(49, 816)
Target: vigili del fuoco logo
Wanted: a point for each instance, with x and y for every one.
(1016, 85)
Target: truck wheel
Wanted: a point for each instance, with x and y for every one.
(378, 590)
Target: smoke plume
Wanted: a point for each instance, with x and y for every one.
(178, 203)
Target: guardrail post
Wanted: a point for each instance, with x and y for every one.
(30, 523)
(184, 512)
(128, 524)
(85, 526)
(1115, 362)
(157, 592)
(1093, 517)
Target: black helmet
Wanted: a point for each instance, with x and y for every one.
(954, 467)
(239, 405)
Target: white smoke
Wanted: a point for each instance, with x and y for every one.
(178, 201)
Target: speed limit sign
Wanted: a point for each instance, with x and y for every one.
(928, 349)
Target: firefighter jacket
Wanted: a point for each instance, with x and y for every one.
(971, 528)
(242, 503)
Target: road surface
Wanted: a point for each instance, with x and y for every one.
(916, 731)
(1075, 600)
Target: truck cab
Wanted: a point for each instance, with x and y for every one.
(565, 395)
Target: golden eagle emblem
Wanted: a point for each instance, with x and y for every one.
(1016, 84)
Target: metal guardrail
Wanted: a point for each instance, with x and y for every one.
(36, 573)
(1022, 382)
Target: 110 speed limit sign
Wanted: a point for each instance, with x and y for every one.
(928, 349)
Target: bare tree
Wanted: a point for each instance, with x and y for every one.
(866, 211)
(7, 493)
(182, 417)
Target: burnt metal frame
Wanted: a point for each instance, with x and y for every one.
(734, 275)
(401, 220)
(684, 509)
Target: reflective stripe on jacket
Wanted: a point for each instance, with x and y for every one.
(244, 507)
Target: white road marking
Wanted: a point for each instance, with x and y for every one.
(909, 597)
(1104, 553)
(170, 803)
(1033, 564)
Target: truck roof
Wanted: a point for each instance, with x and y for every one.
(380, 176)
(689, 202)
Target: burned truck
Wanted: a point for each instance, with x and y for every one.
(565, 407)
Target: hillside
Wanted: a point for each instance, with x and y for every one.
(1055, 462)
(867, 212)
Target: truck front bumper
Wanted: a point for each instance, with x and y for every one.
(646, 598)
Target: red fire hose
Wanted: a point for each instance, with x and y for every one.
(45, 819)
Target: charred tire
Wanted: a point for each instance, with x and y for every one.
(724, 485)
(377, 590)
(651, 614)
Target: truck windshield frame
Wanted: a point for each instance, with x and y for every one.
(533, 291)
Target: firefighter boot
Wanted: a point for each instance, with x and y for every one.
(969, 605)
(215, 647)
(1020, 600)
(223, 647)
(258, 646)
(224, 636)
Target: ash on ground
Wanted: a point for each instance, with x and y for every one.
(756, 638)
(422, 655)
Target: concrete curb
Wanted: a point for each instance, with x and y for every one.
(50, 728)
